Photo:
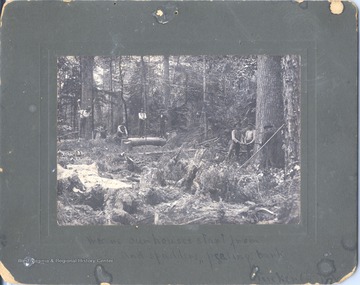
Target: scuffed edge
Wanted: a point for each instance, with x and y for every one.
(7, 2)
(347, 275)
(6, 274)
(352, 2)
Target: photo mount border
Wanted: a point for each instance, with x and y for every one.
(49, 218)
(37, 245)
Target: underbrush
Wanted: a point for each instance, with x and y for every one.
(188, 184)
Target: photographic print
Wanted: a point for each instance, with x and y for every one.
(178, 140)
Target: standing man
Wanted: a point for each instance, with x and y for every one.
(249, 139)
(84, 115)
(142, 122)
(162, 132)
(235, 141)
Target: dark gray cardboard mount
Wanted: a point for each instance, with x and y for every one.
(322, 248)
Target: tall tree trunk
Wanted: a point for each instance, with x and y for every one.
(291, 94)
(205, 121)
(224, 85)
(269, 110)
(66, 113)
(175, 68)
(166, 88)
(186, 87)
(87, 96)
(60, 101)
(124, 107)
(143, 88)
(143, 83)
(117, 104)
(189, 115)
(111, 97)
(74, 105)
(98, 116)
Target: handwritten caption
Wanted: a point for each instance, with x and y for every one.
(224, 249)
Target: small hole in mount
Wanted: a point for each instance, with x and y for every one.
(114, 3)
(159, 13)
(176, 12)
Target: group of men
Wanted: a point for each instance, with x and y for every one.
(242, 140)
(241, 137)
(121, 131)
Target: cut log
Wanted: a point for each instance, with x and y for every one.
(145, 141)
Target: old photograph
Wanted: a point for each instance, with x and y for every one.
(178, 140)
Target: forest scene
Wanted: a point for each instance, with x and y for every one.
(178, 140)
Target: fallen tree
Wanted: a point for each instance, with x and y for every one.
(143, 141)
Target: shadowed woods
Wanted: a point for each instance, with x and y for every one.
(178, 140)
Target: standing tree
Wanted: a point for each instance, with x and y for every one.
(166, 65)
(143, 82)
(143, 89)
(111, 117)
(69, 90)
(269, 110)
(205, 100)
(87, 96)
(291, 94)
(123, 101)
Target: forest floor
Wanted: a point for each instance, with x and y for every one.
(183, 182)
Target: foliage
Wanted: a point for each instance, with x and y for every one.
(69, 90)
(220, 192)
(230, 91)
(189, 180)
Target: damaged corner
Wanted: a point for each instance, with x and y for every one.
(3, 10)
(347, 275)
(6, 275)
(356, 13)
